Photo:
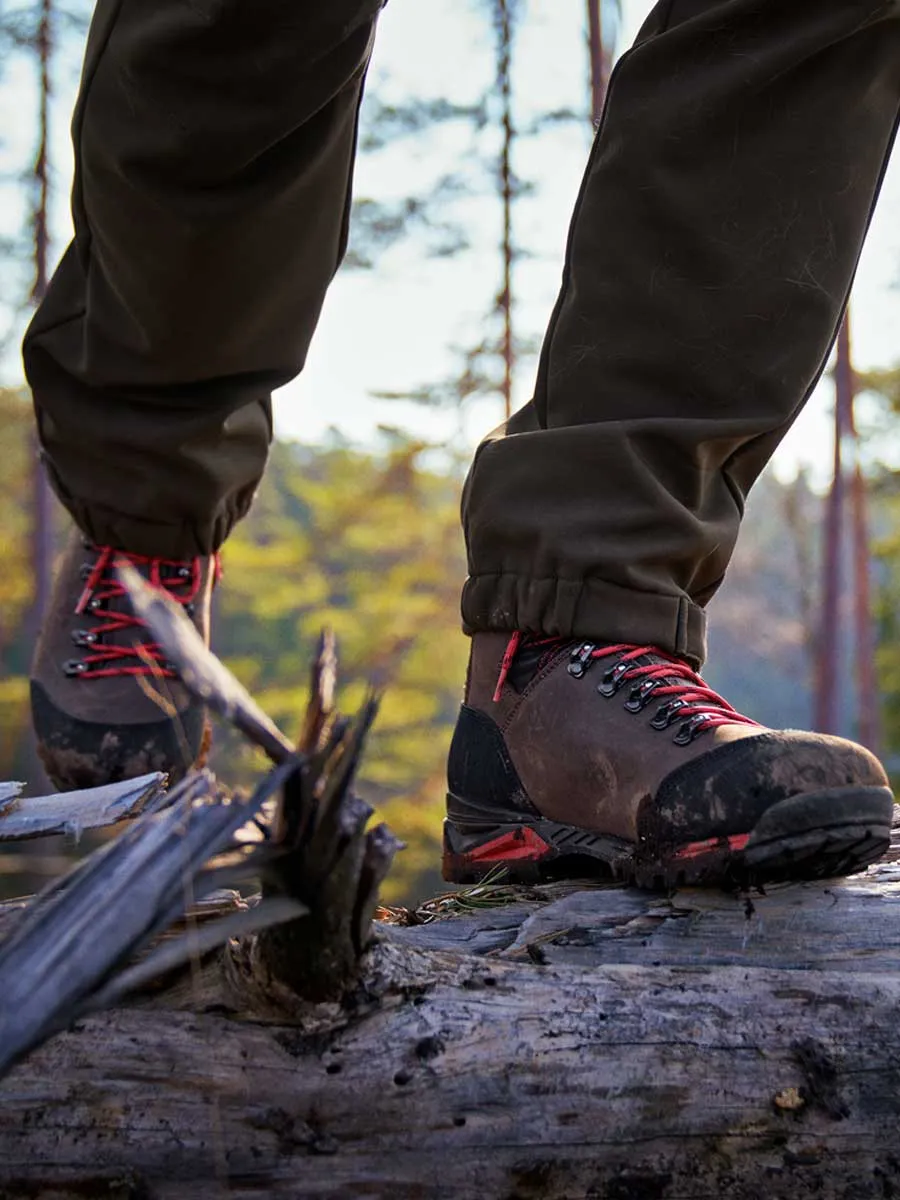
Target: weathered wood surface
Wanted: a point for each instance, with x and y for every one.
(597, 1042)
(59, 960)
(71, 813)
(848, 925)
(8, 794)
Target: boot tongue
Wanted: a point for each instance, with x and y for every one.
(619, 670)
(622, 668)
(614, 669)
(531, 655)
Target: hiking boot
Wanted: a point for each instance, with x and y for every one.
(573, 758)
(105, 704)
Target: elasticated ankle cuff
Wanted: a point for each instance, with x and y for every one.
(592, 608)
(154, 538)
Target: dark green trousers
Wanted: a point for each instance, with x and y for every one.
(712, 249)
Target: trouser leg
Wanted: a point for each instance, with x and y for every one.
(713, 245)
(214, 146)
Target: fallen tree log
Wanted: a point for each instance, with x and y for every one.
(608, 1043)
(553, 1042)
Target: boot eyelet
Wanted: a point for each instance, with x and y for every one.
(580, 659)
(74, 667)
(666, 714)
(94, 603)
(189, 609)
(83, 638)
(613, 679)
(85, 571)
(690, 728)
(184, 573)
(640, 695)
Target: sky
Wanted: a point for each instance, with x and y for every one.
(395, 328)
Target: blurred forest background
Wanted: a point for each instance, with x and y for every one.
(363, 535)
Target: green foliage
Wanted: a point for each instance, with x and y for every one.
(369, 545)
(885, 384)
(15, 578)
(17, 482)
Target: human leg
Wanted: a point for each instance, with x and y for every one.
(214, 148)
(711, 253)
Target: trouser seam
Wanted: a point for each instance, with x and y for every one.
(544, 363)
(82, 109)
(735, 457)
(82, 233)
(666, 16)
(682, 642)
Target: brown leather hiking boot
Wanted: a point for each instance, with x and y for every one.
(574, 758)
(104, 703)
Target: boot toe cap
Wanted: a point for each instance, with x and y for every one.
(727, 790)
(83, 754)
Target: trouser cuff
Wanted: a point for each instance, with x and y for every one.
(590, 608)
(156, 539)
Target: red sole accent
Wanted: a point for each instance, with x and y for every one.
(737, 841)
(516, 846)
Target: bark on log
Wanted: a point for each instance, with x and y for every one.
(595, 1042)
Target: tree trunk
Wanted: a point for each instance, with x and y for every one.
(567, 1042)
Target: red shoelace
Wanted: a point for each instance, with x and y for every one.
(181, 579)
(684, 694)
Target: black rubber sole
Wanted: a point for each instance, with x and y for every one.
(820, 835)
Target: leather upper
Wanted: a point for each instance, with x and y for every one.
(586, 760)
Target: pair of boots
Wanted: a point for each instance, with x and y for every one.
(710, 257)
(569, 756)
